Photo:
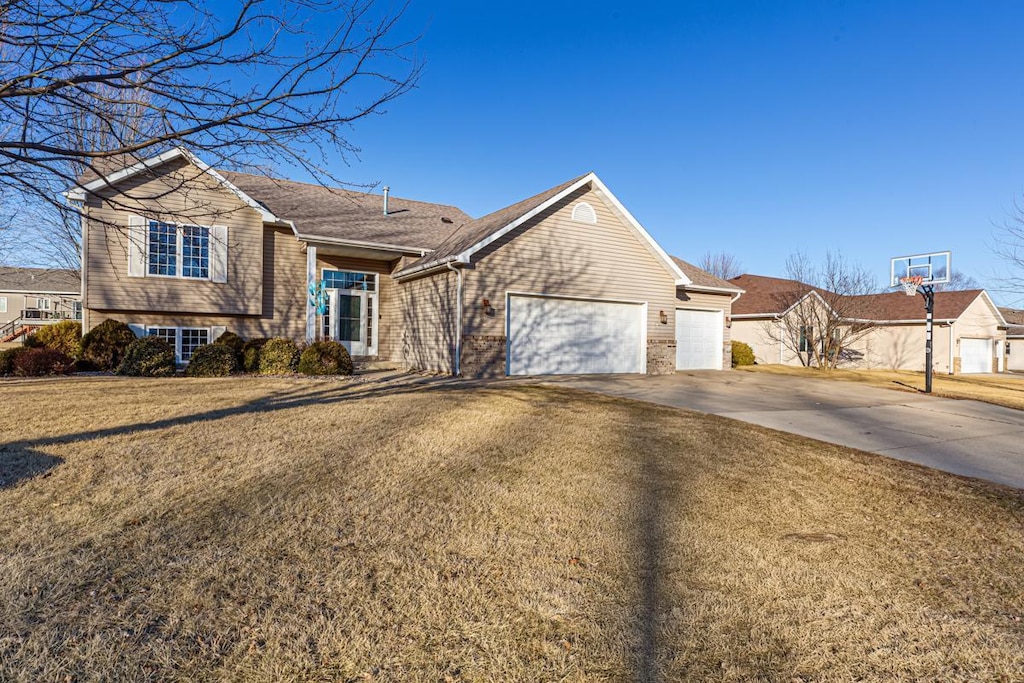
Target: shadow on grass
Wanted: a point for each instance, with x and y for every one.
(18, 465)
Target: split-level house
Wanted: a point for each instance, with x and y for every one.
(969, 333)
(33, 297)
(565, 281)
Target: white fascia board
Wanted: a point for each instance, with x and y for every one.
(79, 193)
(128, 172)
(38, 291)
(357, 243)
(267, 216)
(465, 255)
(810, 293)
(908, 321)
(715, 290)
(995, 309)
(680, 276)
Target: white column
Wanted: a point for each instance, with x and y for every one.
(310, 279)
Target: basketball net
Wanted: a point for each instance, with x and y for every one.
(911, 283)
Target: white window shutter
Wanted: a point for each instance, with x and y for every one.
(216, 331)
(219, 253)
(137, 246)
(139, 330)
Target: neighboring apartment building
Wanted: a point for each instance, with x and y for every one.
(564, 282)
(969, 333)
(32, 297)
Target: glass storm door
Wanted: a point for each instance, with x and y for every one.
(348, 310)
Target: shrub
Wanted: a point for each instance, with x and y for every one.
(233, 342)
(32, 341)
(42, 361)
(742, 354)
(65, 336)
(148, 357)
(212, 360)
(325, 358)
(251, 354)
(7, 357)
(104, 345)
(278, 357)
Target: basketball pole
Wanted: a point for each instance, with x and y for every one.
(928, 292)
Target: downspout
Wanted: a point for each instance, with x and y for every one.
(950, 368)
(458, 319)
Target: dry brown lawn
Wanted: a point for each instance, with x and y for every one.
(295, 530)
(1005, 390)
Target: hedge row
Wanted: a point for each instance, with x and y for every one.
(112, 345)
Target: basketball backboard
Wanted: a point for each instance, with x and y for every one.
(934, 268)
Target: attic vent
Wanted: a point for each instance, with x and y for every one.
(584, 213)
(445, 219)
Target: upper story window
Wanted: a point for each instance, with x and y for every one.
(3, 304)
(43, 304)
(159, 249)
(174, 250)
(584, 213)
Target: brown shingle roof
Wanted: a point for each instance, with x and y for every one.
(703, 278)
(772, 295)
(39, 280)
(766, 295)
(475, 231)
(1013, 316)
(899, 306)
(338, 214)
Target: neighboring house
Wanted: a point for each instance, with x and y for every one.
(566, 281)
(969, 333)
(1014, 338)
(33, 297)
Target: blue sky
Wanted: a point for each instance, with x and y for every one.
(754, 128)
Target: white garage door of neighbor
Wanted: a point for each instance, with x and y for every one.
(698, 340)
(975, 355)
(552, 336)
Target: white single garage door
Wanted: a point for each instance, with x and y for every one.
(975, 355)
(698, 340)
(553, 336)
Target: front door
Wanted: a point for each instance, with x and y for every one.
(349, 320)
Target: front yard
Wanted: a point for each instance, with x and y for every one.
(275, 529)
(1002, 390)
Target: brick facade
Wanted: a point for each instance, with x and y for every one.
(661, 356)
(483, 356)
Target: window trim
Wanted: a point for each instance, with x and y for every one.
(3, 304)
(178, 338)
(179, 255)
(42, 303)
(376, 278)
(372, 314)
(806, 341)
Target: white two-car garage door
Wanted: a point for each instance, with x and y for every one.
(975, 355)
(698, 340)
(556, 336)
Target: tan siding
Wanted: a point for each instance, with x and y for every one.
(552, 254)
(753, 333)
(1015, 361)
(164, 197)
(428, 312)
(283, 299)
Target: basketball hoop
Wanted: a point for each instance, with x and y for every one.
(911, 283)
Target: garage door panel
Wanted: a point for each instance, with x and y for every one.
(975, 355)
(548, 335)
(699, 339)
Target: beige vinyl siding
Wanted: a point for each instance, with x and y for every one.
(901, 347)
(160, 196)
(283, 298)
(752, 332)
(427, 308)
(552, 254)
(387, 317)
(706, 301)
(60, 304)
(1015, 360)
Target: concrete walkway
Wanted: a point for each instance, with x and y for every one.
(964, 437)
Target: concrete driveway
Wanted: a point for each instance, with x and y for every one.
(964, 437)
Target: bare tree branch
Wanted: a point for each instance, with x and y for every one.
(826, 310)
(242, 83)
(722, 265)
(1009, 247)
